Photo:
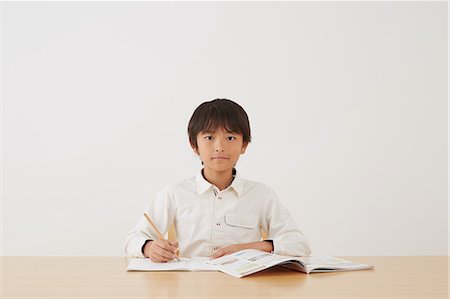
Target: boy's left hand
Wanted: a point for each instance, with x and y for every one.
(262, 245)
(229, 249)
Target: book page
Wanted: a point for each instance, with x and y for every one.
(185, 264)
(330, 264)
(246, 262)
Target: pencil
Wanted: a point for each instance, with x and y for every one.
(160, 236)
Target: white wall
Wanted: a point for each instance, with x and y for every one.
(347, 102)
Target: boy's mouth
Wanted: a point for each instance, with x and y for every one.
(220, 158)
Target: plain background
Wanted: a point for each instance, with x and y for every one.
(347, 102)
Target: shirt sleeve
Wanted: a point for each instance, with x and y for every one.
(161, 212)
(282, 230)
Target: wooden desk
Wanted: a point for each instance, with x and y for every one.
(97, 277)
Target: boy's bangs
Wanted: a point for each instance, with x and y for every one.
(218, 121)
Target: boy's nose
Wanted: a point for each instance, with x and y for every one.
(218, 147)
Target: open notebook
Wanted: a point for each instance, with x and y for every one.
(249, 261)
(185, 264)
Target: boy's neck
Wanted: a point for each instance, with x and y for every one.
(219, 179)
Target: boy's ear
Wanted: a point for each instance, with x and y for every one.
(244, 147)
(195, 149)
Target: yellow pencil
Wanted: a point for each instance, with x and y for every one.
(160, 236)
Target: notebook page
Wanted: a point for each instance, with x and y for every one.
(185, 264)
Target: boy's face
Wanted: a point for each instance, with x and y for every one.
(219, 150)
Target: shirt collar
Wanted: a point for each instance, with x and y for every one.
(202, 185)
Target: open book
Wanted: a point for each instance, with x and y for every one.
(249, 261)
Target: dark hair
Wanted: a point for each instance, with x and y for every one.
(219, 113)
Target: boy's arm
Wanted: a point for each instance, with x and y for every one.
(161, 212)
(261, 245)
(282, 230)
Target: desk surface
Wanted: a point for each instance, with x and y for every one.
(96, 277)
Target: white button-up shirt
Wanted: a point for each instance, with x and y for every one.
(207, 219)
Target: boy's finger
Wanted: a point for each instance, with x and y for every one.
(174, 243)
(218, 253)
(166, 245)
(167, 255)
(174, 246)
(156, 258)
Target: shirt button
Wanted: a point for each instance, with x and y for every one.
(220, 197)
(218, 224)
(215, 248)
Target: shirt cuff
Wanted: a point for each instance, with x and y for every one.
(278, 247)
(135, 246)
(299, 249)
(142, 248)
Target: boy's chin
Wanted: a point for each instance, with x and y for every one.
(219, 168)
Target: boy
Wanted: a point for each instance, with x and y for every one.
(217, 212)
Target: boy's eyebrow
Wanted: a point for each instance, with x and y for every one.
(212, 132)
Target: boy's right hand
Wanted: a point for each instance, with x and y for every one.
(161, 251)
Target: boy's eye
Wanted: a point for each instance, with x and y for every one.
(208, 137)
(231, 138)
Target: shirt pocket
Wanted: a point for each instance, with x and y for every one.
(242, 228)
(239, 220)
